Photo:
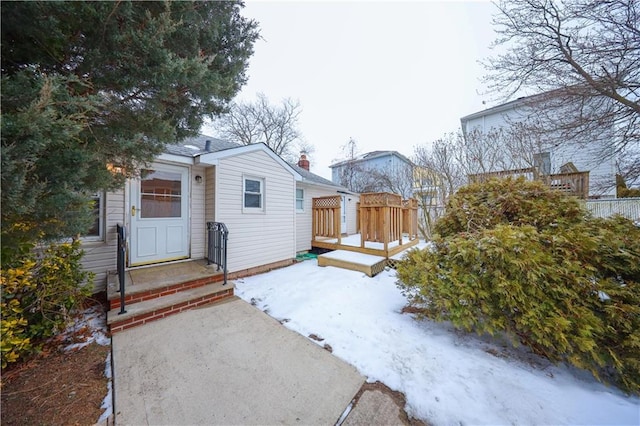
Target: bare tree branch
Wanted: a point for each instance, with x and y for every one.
(275, 125)
(584, 56)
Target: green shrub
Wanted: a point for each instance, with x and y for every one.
(38, 295)
(517, 258)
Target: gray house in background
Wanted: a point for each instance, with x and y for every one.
(361, 174)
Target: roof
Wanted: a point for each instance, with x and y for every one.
(531, 100)
(370, 156)
(193, 147)
(309, 177)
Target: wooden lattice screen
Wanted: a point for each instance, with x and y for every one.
(325, 220)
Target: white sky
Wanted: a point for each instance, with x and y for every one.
(392, 75)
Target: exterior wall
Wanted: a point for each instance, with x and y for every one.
(594, 158)
(197, 208)
(352, 213)
(256, 238)
(100, 256)
(383, 163)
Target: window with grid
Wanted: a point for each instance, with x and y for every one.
(253, 193)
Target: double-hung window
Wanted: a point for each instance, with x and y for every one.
(300, 200)
(95, 232)
(253, 194)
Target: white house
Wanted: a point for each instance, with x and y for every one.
(264, 202)
(550, 157)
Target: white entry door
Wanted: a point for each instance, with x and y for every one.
(343, 215)
(159, 215)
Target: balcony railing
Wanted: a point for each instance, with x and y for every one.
(575, 183)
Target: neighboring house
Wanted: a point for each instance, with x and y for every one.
(264, 202)
(365, 170)
(590, 165)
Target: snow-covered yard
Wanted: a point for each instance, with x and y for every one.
(447, 377)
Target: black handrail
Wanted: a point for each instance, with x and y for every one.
(122, 252)
(217, 246)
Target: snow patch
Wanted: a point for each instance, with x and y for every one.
(448, 377)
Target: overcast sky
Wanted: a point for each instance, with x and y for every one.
(391, 75)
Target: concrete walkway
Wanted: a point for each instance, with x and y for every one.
(228, 363)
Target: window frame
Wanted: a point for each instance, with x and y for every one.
(262, 182)
(301, 199)
(101, 198)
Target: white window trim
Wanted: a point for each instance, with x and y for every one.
(296, 200)
(100, 237)
(263, 186)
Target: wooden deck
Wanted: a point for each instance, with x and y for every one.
(352, 243)
(387, 225)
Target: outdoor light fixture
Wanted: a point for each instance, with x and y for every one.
(198, 178)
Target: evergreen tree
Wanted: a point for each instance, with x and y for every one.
(89, 84)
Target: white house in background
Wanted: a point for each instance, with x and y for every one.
(264, 202)
(551, 158)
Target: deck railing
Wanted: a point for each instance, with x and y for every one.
(575, 183)
(325, 219)
(410, 217)
(120, 260)
(217, 238)
(380, 218)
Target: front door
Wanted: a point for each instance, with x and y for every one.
(159, 215)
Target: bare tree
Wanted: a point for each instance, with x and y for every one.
(583, 56)
(398, 180)
(351, 174)
(260, 121)
(440, 174)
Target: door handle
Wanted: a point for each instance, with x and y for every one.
(133, 210)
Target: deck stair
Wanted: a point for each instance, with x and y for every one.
(155, 292)
(366, 263)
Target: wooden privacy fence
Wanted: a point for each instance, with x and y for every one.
(627, 207)
(385, 216)
(325, 220)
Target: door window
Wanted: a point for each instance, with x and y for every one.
(161, 195)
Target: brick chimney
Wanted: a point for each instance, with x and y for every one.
(303, 162)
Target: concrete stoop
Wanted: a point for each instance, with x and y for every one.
(156, 292)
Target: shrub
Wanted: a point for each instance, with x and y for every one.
(38, 295)
(512, 256)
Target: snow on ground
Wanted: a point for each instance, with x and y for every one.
(448, 377)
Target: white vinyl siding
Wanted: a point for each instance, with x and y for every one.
(197, 206)
(352, 213)
(100, 256)
(256, 239)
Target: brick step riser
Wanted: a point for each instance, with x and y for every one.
(169, 310)
(162, 291)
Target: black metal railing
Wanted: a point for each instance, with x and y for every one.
(122, 253)
(217, 246)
